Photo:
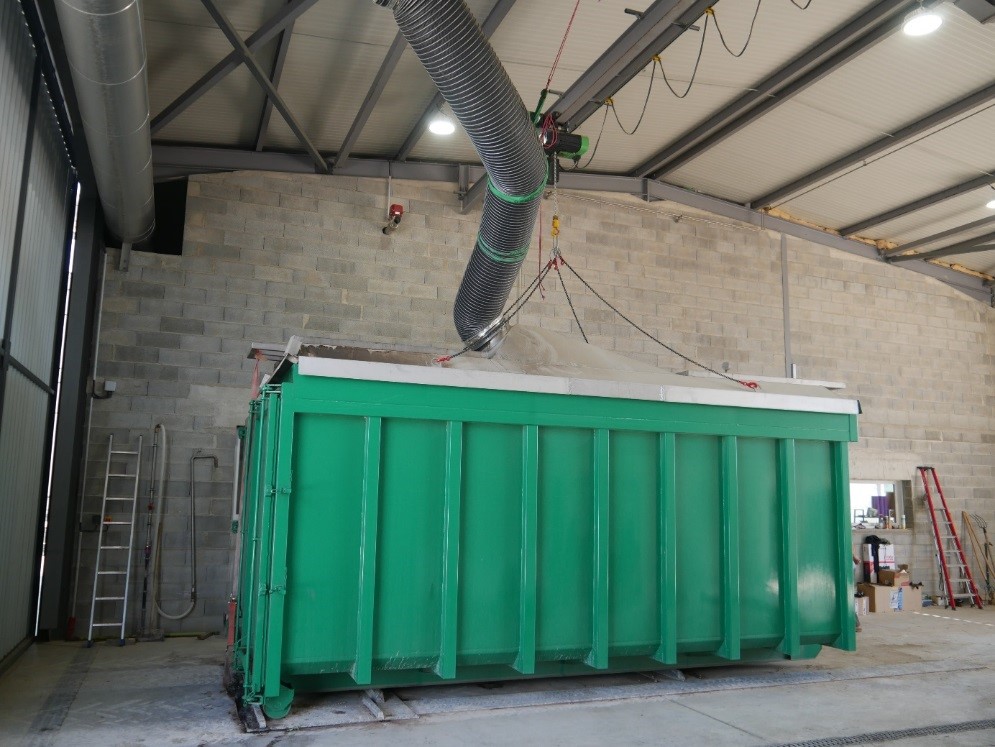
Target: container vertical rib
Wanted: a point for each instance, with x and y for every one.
(446, 666)
(525, 661)
(730, 647)
(788, 495)
(363, 666)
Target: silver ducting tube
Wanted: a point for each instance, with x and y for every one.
(105, 46)
(445, 36)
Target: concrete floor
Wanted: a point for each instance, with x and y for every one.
(930, 669)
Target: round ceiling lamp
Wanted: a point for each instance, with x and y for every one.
(990, 204)
(921, 22)
(442, 125)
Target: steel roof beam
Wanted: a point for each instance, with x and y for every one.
(176, 161)
(281, 19)
(924, 202)
(278, 62)
(394, 53)
(472, 195)
(489, 26)
(832, 52)
(909, 131)
(977, 244)
(658, 27)
(925, 240)
(236, 41)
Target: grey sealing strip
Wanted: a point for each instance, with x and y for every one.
(895, 736)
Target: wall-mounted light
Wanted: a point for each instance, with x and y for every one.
(921, 21)
(442, 125)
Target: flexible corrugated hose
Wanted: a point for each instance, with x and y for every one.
(446, 37)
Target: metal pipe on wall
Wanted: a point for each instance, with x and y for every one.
(105, 47)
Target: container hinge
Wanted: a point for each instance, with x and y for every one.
(254, 407)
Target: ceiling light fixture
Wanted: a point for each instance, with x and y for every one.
(442, 125)
(921, 21)
(990, 204)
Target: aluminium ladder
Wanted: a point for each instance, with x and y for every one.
(955, 575)
(116, 537)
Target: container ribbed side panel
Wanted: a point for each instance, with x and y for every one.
(16, 65)
(43, 251)
(22, 447)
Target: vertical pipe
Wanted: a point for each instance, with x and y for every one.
(786, 309)
(730, 648)
(525, 662)
(446, 666)
(598, 657)
(667, 653)
(844, 550)
(362, 670)
(787, 497)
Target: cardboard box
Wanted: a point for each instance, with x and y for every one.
(880, 598)
(911, 599)
(886, 557)
(893, 578)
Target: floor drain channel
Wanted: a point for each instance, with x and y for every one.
(894, 736)
(53, 712)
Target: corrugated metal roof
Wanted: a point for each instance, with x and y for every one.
(338, 47)
(942, 160)
(893, 83)
(981, 261)
(782, 32)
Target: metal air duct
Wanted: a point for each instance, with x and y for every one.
(447, 39)
(105, 47)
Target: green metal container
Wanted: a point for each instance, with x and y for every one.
(409, 525)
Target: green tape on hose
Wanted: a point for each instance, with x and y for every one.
(507, 258)
(518, 199)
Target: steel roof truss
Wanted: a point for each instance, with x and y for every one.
(832, 52)
(394, 53)
(924, 202)
(267, 85)
(275, 76)
(280, 20)
(913, 129)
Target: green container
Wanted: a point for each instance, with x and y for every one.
(406, 525)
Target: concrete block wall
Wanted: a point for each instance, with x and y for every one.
(267, 256)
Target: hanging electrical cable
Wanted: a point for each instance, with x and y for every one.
(694, 72)
(710, 16)
(597, 142)
(749, 35)
(610, 103)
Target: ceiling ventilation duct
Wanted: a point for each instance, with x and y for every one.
(447, 39)
(106, 51)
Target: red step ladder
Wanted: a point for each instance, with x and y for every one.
(955, 574)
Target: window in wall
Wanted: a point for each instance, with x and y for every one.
(878, 504)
